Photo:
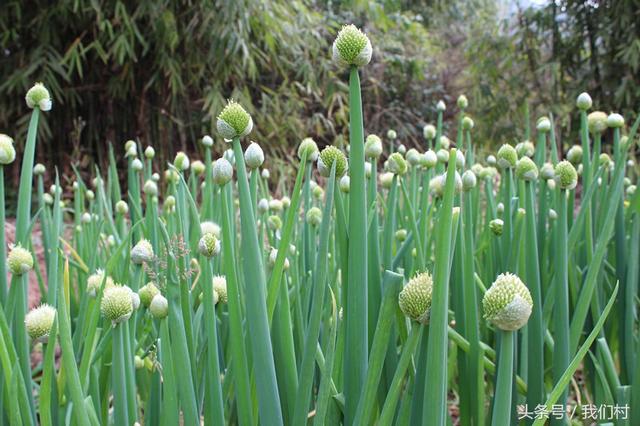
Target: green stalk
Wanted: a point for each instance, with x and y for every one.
(263, 362)
(355, 360)
(170, 412)
(435, 396)
(305, 381)
(120, 408)
(322, 400)
(373, 253)
(3, 244)
(47, 390)
(503, 397)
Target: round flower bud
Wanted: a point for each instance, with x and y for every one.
(566, 175)
(263, 206)
(551, 184)
(496, 226)
(309, 146)
(150, 188)
(430, 159)
(48, 199)
(273, 255)
(222, 171)
(391, 134)
(94, 282)
(38, 169)
(117, 304)
(440, 106)
(38, 322)
(345, 183)
(500, 208)
(525, 149)
(604, 160)
(631, 190)
(85, 218)
(526, 169)
(171, 176)
(170, 202)
(38, 96)
(436, 186)
(7, 151)
(220, 288)
(386, 179)
(547, 171)
(397, 164)
(460, 160)
(507, 304)
(135, 300)
(477, 169)
(584, 101)
(253, 156)
(507, 157)
(574, 155)
(469, 180)
(208, 227)
(265, 174)
(543, 125)
(326, 158)
(402, 149)
(317, 192)
(234, 121)
(442, 155)
(488, 172)
(19, 260)
(413, 157)
(492, 161)
(429, 131)
(275, 205)
(207, 141)
(597, 122)
(552, 214)
(314, 216)
(367, 169)
(209, 245)
(373, 147)
(352, 47)
(415, 298)
(274, 222)
(159, 307)
(467, 123)
(149, 153)
(401, 235)
(229, 156)
(181, 161)
(142, 252)
(147, 293)
(462, 102)
(197, 168)
(615, 120)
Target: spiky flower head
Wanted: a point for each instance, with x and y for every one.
(584, 101)
(159, 307)
(429, 132)
(352, 47)
(496, 226)
(391, 134)
(415, 298)
(525, 149)
(507, 304)
(373, 146)
(147, 293)
(7, 151)
(469, 180)
(207, 227)
(309, 146)
(117, 304)
(197, 167)
(19, 260)
(314, 216)
(526, 169)
(38, 322)
(467, 123)
(597, 122)
(326, 159)
(38, 96)
(615, 120)
(209, 245)
(507, 157)
(543, 125)
(142, 252)
(220, 288)
(462, 102)
(345, 184)
(397, 164)
(566, 175)
(253, 156)
(222, 171)
(234, 121)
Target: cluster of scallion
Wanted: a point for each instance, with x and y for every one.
(200, 296)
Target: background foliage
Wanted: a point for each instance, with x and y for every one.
(160, 71)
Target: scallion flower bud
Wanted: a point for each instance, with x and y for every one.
(208, 227)
(220, 288)
(507, 157)
(38, 322)
(440, 106)
(265, 174)
(615, 120)
(496, 226)
(19, 260)
(147, 293)
(566, 175)
(526, 169)
(207, 141)
(597, 122)
(386, 179)
(397, 164)
(413, 157)
(326, 159)
(209, 245)
(222, 171)
(584, 101)
(507, 304)
(117, 304)
(309, 146)
(159, 307)
(253, 156)
(373, 147)
(442, 155)
(415, 298)
(274, 222)
(263, 206)
(543, 125)
(149, 153)
(525, 149)
(234, 121)
(391, 134)
(314, 216)
(150, 188)
(467, 123)
(197, 168)
(345, 184)
(462, 102)
(7, 151)
(352, 47)
(38, 96)
(142, 252)
(429, 132)
(469, 180)
(401, 235)
(430, 159)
